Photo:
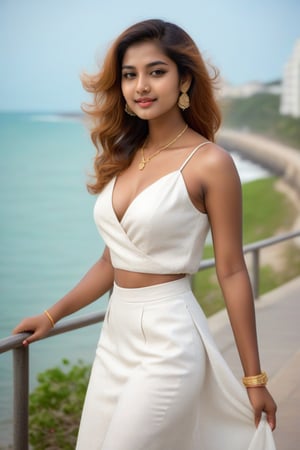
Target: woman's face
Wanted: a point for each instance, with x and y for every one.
(150, 81)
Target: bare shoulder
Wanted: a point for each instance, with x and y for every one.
(215, 157)
(211, 173)
(214, 161)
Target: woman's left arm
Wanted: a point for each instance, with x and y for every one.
(223, 202)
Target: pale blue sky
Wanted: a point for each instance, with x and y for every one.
(46, 44)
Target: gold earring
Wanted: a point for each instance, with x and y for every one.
(129, 111)
(183, 101)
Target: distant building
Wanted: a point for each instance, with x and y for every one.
(248, 89)
(274, 87)
(290, 97)
(243, 90)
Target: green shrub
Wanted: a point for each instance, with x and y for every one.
(55, 406)
(260, 114)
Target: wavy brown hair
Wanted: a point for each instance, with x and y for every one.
(117, 135)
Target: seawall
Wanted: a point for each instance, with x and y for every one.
(279, 158)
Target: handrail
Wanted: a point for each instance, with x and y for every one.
(254, 248)
(208, 263)
(21, 353)
(13, 342)
(21, 371)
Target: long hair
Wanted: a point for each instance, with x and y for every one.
(117, 135)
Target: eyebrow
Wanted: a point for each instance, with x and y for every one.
(151, 64)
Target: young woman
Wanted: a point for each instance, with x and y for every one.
(158, 381)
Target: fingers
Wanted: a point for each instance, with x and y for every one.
(19, 328)
(270, 409)
(26, 325)
(272, 421)
(33, 337)
(262, 401)
(39, 326)
(271, 417)
(257, 417)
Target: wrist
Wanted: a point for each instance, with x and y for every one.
(49, 317)
(253, 381)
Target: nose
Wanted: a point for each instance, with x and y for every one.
(142, 87)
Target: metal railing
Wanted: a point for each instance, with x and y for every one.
(21, 353)
(254, 249)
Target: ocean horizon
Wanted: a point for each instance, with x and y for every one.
(48, 237)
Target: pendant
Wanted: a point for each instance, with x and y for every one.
(141, 165)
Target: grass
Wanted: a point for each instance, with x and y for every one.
(270, 278)
(265, 212)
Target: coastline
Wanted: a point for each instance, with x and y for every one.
(279, 158)
(42, 257)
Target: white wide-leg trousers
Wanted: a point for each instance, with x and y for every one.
(158, 381)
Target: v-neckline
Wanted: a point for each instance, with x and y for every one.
(176, 171)
(114, 180)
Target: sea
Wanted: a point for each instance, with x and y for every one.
(48, 239)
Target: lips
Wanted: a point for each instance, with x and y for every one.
(145, 101)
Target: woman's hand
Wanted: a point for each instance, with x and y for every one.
(261, 400)
(39, 326)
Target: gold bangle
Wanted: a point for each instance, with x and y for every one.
(256, 380)
(49, 317)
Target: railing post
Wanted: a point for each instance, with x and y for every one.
(21, 392)
(255, 273)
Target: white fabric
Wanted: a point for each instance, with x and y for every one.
(161, 230)
(159, 382)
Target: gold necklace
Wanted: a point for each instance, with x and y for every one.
(144, 160)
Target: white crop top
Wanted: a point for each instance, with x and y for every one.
(161, 232)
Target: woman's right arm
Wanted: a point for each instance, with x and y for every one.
(97, 281)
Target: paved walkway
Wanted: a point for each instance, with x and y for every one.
(278, 324)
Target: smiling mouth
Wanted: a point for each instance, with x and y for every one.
(144, 101)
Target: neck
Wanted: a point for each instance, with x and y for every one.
(159, 135)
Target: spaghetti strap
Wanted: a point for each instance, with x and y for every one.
(192, 154)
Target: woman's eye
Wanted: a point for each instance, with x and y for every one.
(128, 75)
(158, 72)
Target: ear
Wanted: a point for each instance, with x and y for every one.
(185, 83)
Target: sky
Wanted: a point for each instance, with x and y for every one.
(46, 44)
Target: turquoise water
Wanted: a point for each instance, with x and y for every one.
(47, 235)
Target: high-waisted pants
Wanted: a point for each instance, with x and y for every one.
(158, 381)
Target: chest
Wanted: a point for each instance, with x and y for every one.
(129, 185)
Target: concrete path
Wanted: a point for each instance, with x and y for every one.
(278, 324)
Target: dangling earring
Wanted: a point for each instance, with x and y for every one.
(129, 111)
(183, 101)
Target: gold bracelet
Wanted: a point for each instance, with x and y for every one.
(49, 317)
(255, 380)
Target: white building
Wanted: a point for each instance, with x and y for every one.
(248, 89)
(243, 90)
(290, 97)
